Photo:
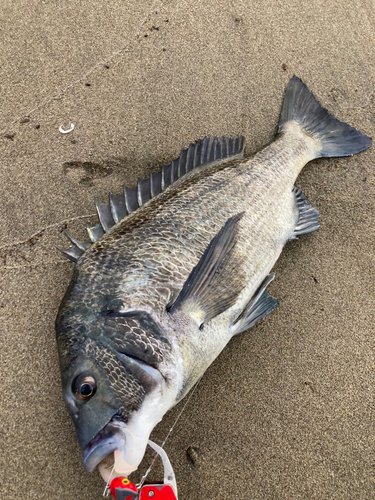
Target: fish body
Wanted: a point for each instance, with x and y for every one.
(156, 298)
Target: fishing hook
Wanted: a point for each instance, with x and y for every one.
(66, 131)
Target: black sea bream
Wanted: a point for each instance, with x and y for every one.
(176, 268)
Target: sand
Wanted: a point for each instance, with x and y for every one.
(287, 410)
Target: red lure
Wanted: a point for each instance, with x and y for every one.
(123, 489)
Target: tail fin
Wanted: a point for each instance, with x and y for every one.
(337, 138)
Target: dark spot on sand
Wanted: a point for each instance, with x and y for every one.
(25, 120)
(37, 127)
(315, 280)
(145, 36)
(338, 95)
(73, 141)
(84, 172)
(88, 84)
(33, 240)
(106, 66)
(193, 455)
(9, 136)
(284, 67)
(310, 386)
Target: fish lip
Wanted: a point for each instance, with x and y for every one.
(100, 447)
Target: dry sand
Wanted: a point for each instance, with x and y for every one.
(287, 411)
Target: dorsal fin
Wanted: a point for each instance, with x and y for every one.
(201, 154)
(72, 254)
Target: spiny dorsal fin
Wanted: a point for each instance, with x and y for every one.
(77, 250)
(201, 154)
(72, 254)
(95, 232)
(118, 207)
(105, 215)
(82, 245)
(205, 293)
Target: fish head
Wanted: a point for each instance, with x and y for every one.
(113, 388)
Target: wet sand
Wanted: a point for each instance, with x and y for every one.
(287, 410)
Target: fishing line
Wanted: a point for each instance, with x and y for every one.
(140, 484)
(106, 489)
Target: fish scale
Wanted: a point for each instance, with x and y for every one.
(213, 201)
(177, 266)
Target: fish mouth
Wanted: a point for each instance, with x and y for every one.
(103, 444)
(116, 433)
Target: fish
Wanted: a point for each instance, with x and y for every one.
(177, 267)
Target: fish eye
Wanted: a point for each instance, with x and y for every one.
(84, 386)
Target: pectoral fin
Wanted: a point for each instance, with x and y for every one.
(260, 305)
(209, 291)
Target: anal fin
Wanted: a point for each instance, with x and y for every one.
(307, 216)
(260, 305)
